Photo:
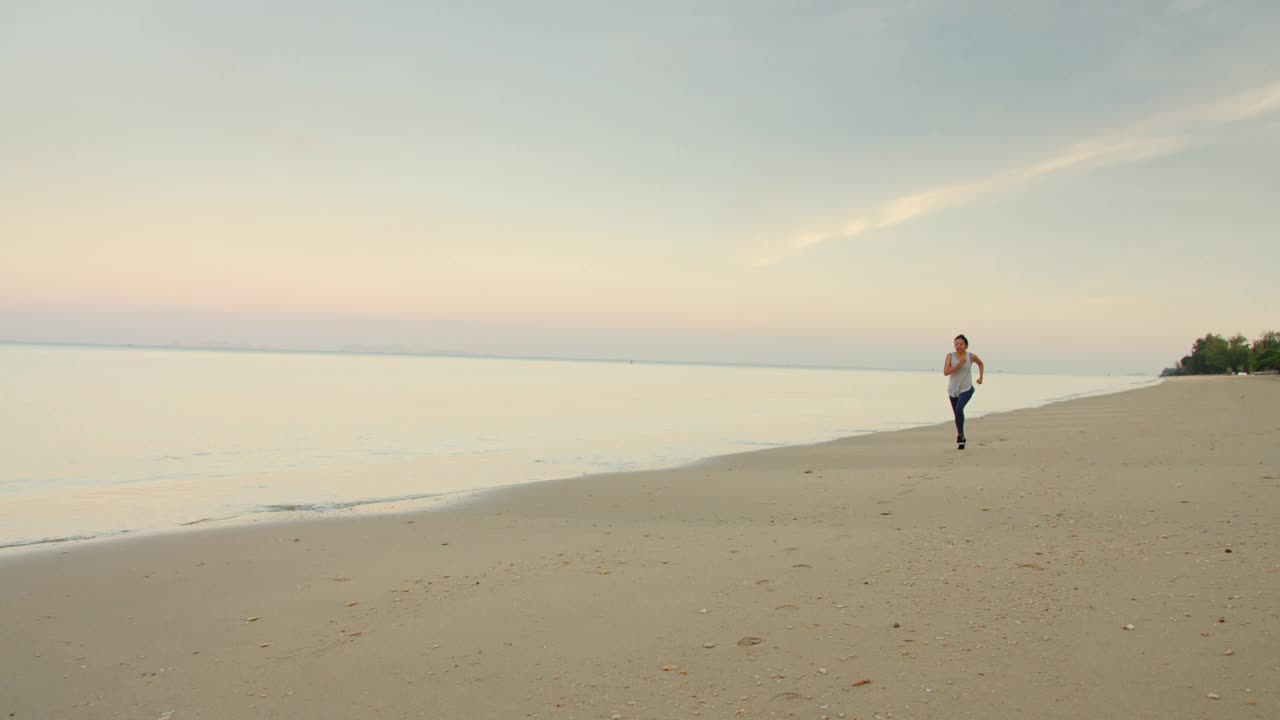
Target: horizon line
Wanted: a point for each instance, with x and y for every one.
(544, 358)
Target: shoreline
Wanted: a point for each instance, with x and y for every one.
(995, 582)
(305, 512)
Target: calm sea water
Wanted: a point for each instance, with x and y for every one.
(100, 441)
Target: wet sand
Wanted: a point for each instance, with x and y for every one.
(996, 582)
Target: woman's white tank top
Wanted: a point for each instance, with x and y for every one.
(961, 380)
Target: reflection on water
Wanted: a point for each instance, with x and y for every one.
(104, 440)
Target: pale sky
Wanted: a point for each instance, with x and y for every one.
(1077, 186)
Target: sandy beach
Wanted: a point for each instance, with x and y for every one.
(1108, 557)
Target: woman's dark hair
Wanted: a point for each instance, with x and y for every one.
(965, 339)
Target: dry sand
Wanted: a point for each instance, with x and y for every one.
(997, 582)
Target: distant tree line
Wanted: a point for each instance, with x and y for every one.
(1216, 355)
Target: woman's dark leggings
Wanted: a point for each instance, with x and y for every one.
(957, 407)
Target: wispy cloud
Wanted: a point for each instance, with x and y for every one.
(1162, 134)
(1185, 7)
